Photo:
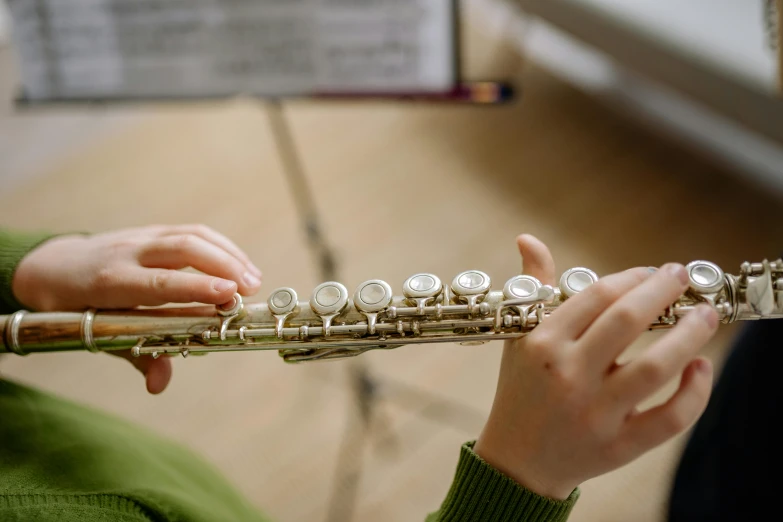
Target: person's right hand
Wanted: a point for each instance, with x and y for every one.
(564, 410)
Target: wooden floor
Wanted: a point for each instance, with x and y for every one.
(401, 189)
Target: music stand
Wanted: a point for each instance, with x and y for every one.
(51, 66)
(365, 386)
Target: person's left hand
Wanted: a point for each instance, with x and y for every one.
(135, 267)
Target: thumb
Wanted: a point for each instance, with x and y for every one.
(537, 260)
(157, 372)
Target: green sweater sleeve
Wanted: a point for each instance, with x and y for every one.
(110, 465)
(480, 493)
(13, 247)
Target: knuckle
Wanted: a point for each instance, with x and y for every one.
(568, 380)
(160, 282)
(154, 229)
(625, 314)
(200, 229)
(184, 242)
(105, 277)
(641, 274)
(541, 342)
(566, 383)
(121, 246)
(650, 372)
(603, 291)
(594, 424)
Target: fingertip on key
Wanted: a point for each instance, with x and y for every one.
(221, 285)
(678, 271)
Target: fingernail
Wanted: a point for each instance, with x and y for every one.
(678, 271)
(709, 315)
(254, 269)
(652, 269)
(251, 280)
(221, 285)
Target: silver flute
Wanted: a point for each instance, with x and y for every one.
(334, 324)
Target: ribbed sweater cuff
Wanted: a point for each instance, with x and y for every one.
(13, 247)
(482, 493)
(67, 506)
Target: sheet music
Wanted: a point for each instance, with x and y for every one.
(72, 49)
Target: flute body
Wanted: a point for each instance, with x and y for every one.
(334, 324)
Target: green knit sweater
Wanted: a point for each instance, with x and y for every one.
(66, 462)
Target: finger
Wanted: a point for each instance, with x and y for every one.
(158, 286)
(632, 314)
(157, 372)
(158, 375)
(645, 375)
(217, 239)
(177, 252)
(644, 431)
(573, 317)
(537, 260)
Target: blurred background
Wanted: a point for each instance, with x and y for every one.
(638, 133)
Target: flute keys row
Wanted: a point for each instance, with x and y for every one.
(371, 297)
(374, 296)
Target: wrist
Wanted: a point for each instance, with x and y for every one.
(14, 247)
(30, 284)
(505, 456)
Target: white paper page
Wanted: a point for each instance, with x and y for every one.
(79, 49)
